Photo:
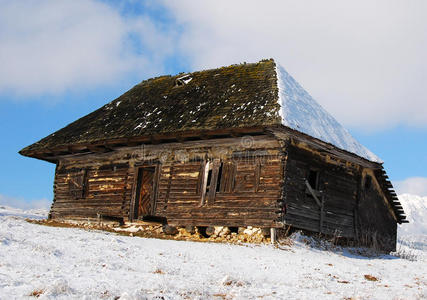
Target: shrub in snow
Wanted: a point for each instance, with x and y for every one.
(57, 288)
(229, 281)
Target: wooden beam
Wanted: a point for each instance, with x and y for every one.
(273, 235)
(143, 139)
(99, 149)
(313, 193)
(321, 214)
(286, 133)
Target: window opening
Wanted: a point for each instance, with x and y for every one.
(313, 179)
(183, 80)
(218, 183)
(208, 181)
(368, 182)
(216, 176)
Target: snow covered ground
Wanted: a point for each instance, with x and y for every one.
(67, 263)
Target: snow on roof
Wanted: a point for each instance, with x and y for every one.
(236, 96)
(301, 112)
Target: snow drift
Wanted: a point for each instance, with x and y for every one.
(68, 263)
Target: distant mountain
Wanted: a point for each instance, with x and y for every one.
(412, 237)
(416, 212)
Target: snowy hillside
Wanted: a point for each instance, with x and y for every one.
(301, 112)
(413, 236)
(415, 208)
(67, 263)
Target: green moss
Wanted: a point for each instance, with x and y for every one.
(242, 95)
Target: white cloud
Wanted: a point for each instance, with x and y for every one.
(364, 61)
(413, 186)
(50, 46)
(21, 203)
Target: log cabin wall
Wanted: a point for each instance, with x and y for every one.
(376, 221)
(352, 202)
(248, 194)
(245, 189)
(335, 183)
(91, 190)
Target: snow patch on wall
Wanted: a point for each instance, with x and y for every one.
(301, 112)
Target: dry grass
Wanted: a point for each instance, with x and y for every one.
(95, 226)
(158, 271)
(343, 281)
(36, 293)
(53, 223)
(408, 253)
(228, 282)
(222, 296)
(155, 231)
(370, 277)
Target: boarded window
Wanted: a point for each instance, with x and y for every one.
(77, 184)
(226, 177)
(212, 180)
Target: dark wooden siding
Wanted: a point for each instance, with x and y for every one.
(249, 194)
(375, 220)
(106, 192)
(338, 184)
(340, 200)
(252, 201)
(178, 188)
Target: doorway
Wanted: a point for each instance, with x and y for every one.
(145, 193)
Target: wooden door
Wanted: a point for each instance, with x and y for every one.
(145, 196)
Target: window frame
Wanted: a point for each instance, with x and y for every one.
(221, 180)
(78, 184)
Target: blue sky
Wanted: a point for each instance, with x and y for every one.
(364, 62)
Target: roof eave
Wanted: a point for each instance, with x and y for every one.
(325, 146)
(52, 154)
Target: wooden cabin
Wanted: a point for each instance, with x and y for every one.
(222, 147)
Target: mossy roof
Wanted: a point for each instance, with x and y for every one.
(236, 96)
